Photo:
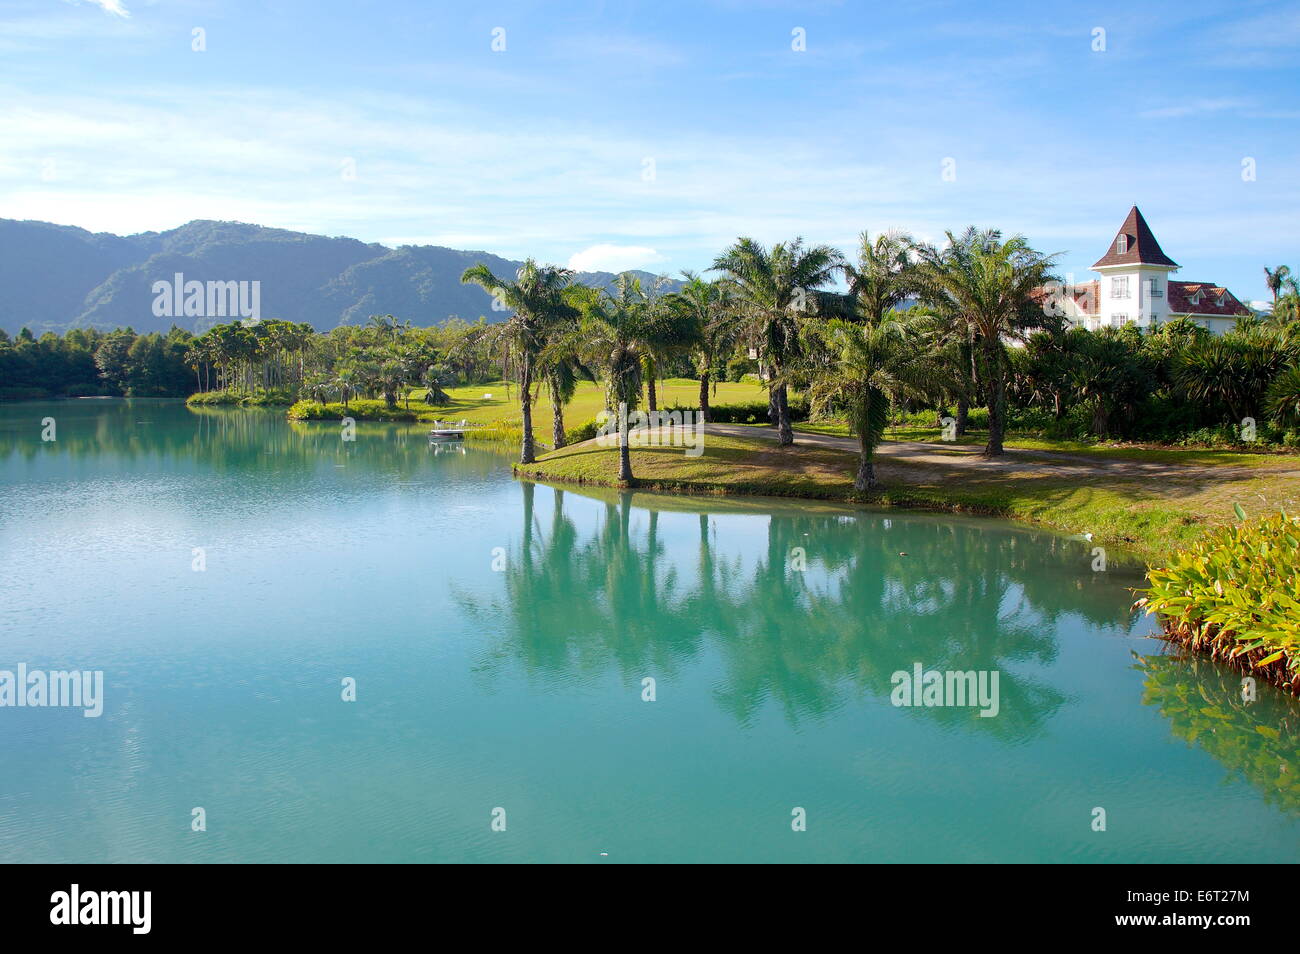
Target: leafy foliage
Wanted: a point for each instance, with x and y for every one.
(1236, 595)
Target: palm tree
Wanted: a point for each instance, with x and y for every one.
(1276, 279)
(536, 297)
(986, 286)
(346, 383)
(883, 277)
(870, 363)
(559, 363)
(432, 378)
(618, 327)
(702, 307)
(773, 291)
(1284, 397)
(319, 387)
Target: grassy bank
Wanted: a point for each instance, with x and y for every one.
(1127, 510)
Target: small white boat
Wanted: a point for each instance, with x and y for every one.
(442, 432)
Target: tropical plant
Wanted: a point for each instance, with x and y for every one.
(868, 365)
(883, 277)
(535, 298)
(774, 292)
(617, 328)
(1283, 399)
(1236, 595)
(987, 286)
(1276, 279)
(708, 324)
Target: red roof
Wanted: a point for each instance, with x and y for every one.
(1085, 295)
(1180, 294)
(1142, 247)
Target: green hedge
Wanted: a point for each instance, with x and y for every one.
(362, 409)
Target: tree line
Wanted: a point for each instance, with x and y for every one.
(980, 329)
(903, 327)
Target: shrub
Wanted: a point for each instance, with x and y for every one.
(1235, 595)
(360, 410)
(583, 432)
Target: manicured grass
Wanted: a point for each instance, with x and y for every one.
(1129, 512)
(491, 406)
(474, 405)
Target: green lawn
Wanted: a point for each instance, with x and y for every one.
(474, 404)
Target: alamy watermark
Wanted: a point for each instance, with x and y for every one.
(36, 688)
(954, 687)
(178, 298)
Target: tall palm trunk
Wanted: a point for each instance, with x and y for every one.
(996, 388)
(624, 454)
(865, 479)
(527, 452)
(785, 433)
(558, 439)
(704, 395)
(651, 395)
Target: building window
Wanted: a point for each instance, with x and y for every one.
(1119, 318)
(1121, 244)
(1119, 287)
(1153, 285)
(1194, 298)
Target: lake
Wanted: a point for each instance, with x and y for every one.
(235, 577)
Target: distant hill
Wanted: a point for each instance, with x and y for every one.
(56, 277)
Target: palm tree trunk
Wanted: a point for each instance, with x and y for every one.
(963, 412)
(624, 454)
(558, 439)
(651, 395)
(704, 395)
(865, 479)
(527, 452)
(997, 395)
(785, 433)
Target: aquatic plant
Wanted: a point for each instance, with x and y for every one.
(1235, 595)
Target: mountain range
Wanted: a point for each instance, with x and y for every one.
(57, 277)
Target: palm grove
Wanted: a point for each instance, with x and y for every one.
(827, 336)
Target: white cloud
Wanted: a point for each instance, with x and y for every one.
(1194, 108)
(614, 258)
(111, 6)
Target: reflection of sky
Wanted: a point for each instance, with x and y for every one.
(222, 686)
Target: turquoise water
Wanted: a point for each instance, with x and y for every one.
(499, 634)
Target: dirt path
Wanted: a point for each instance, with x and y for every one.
(1046, 463)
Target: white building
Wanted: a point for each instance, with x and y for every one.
(1135, 286)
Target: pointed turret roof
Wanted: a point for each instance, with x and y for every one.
(1141, 247)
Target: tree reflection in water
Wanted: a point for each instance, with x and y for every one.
(808, 641)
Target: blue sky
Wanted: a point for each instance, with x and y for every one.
(613, 135)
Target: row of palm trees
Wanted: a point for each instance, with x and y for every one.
(850, 351)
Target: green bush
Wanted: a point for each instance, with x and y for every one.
(275, 397)
(1236, 596)
(583, 432)
(361, 409)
